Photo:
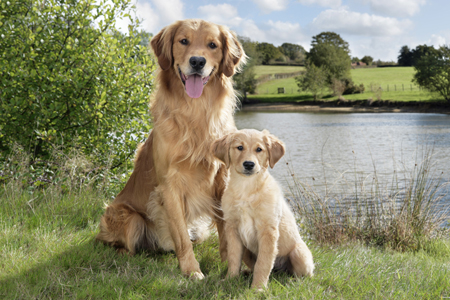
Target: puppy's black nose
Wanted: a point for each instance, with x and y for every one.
(197, 62)
(249, 165)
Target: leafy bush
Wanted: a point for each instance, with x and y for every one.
(352, 88)
(314, 80)
(68, 78)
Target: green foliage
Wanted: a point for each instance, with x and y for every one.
(293, 51)
(330, 51)
(314, 80)
(245, 81)
(405, 57)
(433, 72)
(367, 60)
(268, 52)
(68, 79)
(409, 57)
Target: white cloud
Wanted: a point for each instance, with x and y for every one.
(168, 10)
(344, 21)
(249, 29)
(281, 32)
(223, 14)
(437, 41)
(154, 15)
(323, 3)
(397, 8)
(268, 6)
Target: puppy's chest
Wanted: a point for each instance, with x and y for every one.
(248, 219)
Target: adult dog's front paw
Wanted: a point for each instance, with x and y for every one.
(196, 275)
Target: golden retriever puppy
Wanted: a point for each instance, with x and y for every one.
(260, 227)
(177, 183)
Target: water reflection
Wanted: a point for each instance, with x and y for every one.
(323, 147)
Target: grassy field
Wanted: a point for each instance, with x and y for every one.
(395, 83)
(263, 69)
(48, 252)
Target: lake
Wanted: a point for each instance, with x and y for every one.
(329, 150)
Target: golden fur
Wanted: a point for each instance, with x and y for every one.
(260, 228)
(177, 183)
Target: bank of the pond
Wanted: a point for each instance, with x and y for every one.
(349, 106)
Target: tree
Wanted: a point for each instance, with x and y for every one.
(293, 51)
(245, 80)
(367, 60)
(267, 52)
(421, 51)
(433, 72)
(405, 57)
(66, 80)
(355, 59)
(314, 80)
(409, 57)
(330, 51)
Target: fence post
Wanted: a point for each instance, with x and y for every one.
(388, 88)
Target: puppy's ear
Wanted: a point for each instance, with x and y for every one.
(234, 57)
(275, 147)
(221, 149)
(162, 45)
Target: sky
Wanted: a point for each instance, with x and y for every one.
(378, 28)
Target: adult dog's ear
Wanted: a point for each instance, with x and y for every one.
(162, 45)
(221, 149)
(234, 57)
(275, 147)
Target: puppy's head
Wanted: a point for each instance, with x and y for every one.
(197, 50)
(249, 151)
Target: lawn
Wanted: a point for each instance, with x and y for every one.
(48, 252)
(395, 83)
(264, 69)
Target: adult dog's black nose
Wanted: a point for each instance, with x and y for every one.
(249, 165)
(197, 62)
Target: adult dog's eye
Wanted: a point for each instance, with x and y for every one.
(258, 149)
(212, 45)
(184, 41)
(240, 148)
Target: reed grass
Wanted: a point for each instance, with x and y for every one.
(403, 213)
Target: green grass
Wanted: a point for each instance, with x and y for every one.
(264, 69)
(48, 252)
(397, 78)
(384, 76)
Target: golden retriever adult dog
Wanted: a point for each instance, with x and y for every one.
(260, 228)
(176, 180)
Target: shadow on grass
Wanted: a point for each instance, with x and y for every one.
(92, 270)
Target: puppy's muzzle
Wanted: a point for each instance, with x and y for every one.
(248, 165)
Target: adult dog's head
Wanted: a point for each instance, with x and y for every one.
(248, 151)
(196, 50)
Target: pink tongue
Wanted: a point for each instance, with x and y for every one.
(194, 86)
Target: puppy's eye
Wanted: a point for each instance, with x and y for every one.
(212, 45)
(240, 148)
(184, 41)
(258, 149)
